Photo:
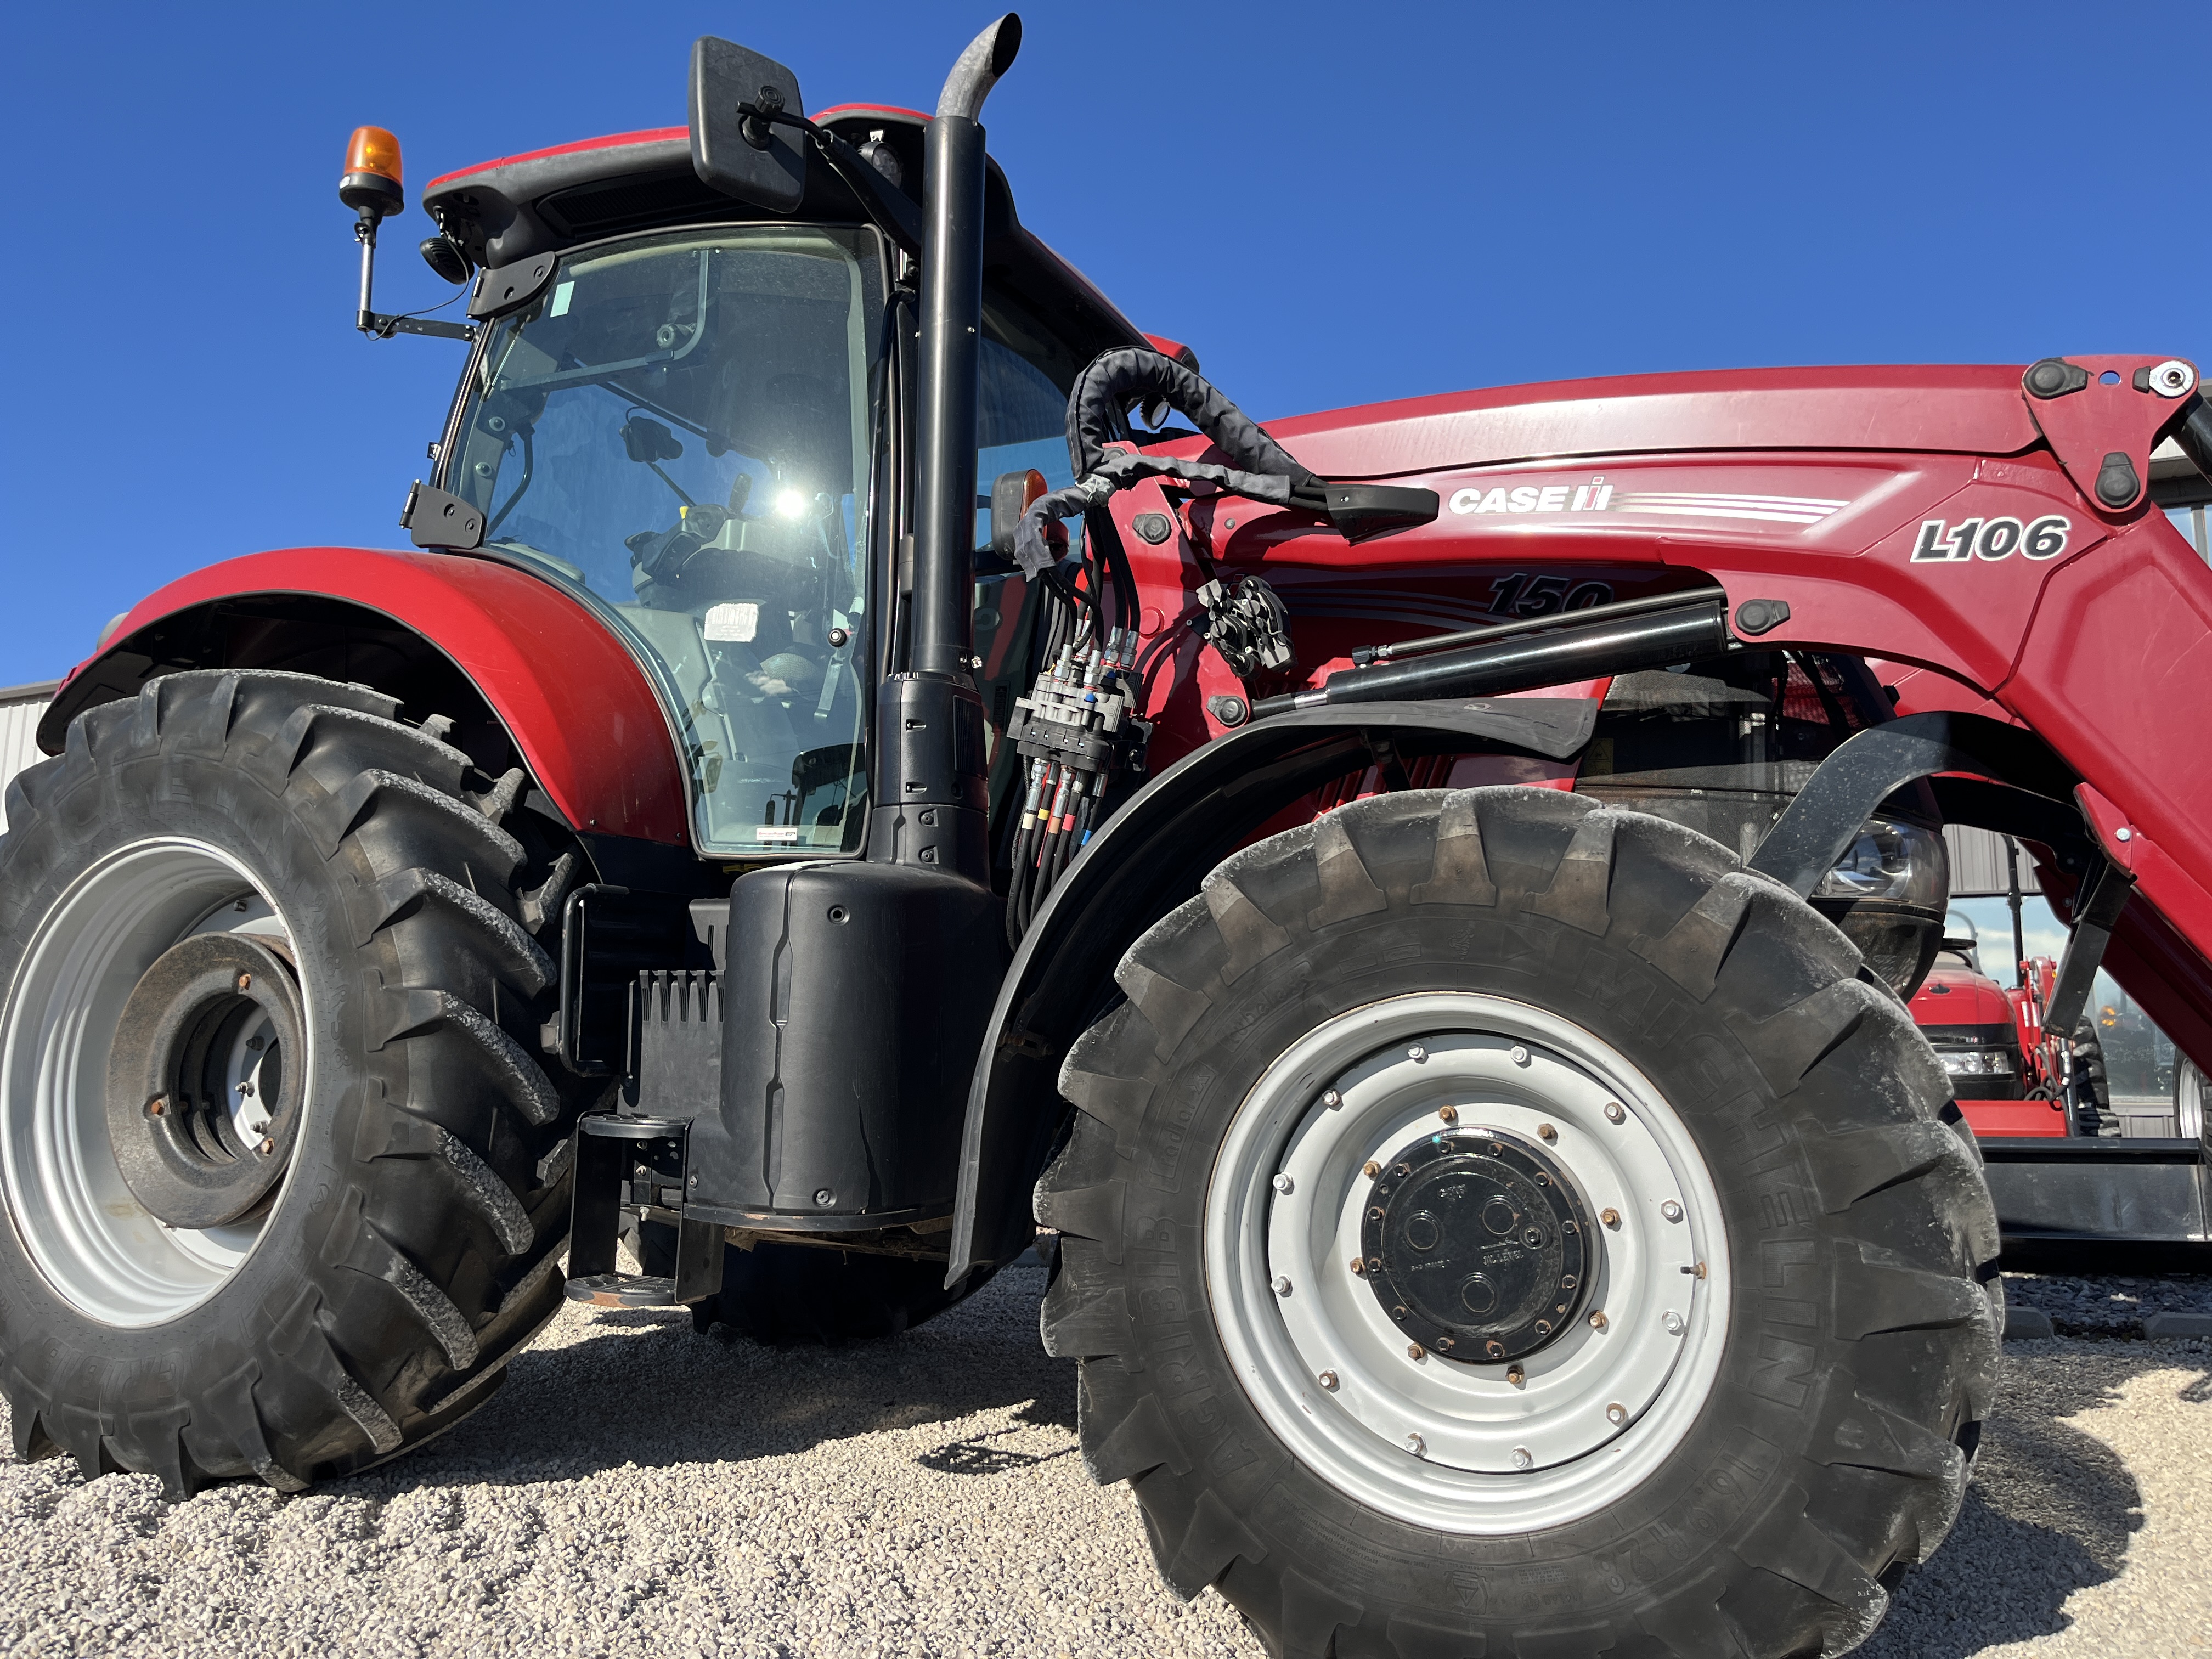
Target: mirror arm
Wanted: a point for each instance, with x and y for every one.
(892, 210)
(380, 327)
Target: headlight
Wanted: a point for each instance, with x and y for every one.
(1900, 862)
(1977, 1062)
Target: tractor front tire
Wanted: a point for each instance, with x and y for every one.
(284, 1179)
(1493, 1224)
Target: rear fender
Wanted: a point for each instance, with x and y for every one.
(566, 694)
(1150, 857)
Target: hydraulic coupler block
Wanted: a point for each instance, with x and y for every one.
(1077, 729)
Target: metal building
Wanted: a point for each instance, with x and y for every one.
(19, 709)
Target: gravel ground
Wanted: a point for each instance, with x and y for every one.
(638, 1490)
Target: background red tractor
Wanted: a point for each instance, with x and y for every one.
(1419, 899)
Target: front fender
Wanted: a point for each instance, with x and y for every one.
(573, 701)
(1150, 857)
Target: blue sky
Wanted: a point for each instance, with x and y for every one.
(1333, 205)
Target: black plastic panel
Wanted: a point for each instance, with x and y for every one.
(856, 998)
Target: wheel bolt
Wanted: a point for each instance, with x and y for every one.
(1543, 1328)
(1522, 1458)
(1359, 1266)
(1416, 1445)
(246, 982)
(1282, 1285)
(1547, 1133)
(1611, 1217)
(1370, 1168)
(1613, 1114)
(1374, 1264)
(268, 1146)
(1327, 1380)
(1282, 1183)
(1331, 1099)
(1673, 1321)
(1417, 1053)
(1401, 1170)
(1519, 1056)
(1671, 1210)
(1517, 1376)
(1597, 1319)
(1616, 1414)
(1449, 1113)
(155, 1106)
(1494, 1350)
(1415, 1351)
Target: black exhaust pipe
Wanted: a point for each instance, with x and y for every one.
(951, 315)
(930, 774)
(1606, 639)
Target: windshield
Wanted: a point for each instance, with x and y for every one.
(679, 427)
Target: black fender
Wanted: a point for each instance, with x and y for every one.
(1148, 858)
(1814, 832)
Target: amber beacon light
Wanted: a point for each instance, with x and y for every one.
(371, 183)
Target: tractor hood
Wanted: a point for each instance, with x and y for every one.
(1970, 410)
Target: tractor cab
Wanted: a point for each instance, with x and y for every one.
(684, 415)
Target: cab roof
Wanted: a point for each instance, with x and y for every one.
(547, 200)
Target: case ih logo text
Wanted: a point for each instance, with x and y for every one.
(1991, 539)
(1591, 498)
(1599, 496)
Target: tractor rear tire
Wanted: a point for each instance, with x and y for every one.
(405, 1239)
(1756, 1396)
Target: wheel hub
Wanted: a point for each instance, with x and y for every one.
(1477, 1244)
(202, 1107)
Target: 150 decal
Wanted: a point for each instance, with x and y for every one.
(1522, 595)
(1991, 539)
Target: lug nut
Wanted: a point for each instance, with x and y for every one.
(246, 982)
(1416, 1445)
(1444, 1343)
(1359, 1266)
(1567, 1282)
(1519, 1056)
(1543, 1328)
(1417, 1053)
(1327, 1380)
(1522, 1458)
(1282, 1285)
(1616, 1414)
(1597, 1319)
(1611, 1217)
(1546, 1132)
(1671, 1210)
(1415, 1351)
(267, 1147)
(1374, 1264)
(1370, 1168)
(1515, 1376)
(1331, 1099)
(1449, 1113)
(1282, 1183)
(1673, 1321)
(1613, 1114)
(1494, 1350)
(1401, 1170)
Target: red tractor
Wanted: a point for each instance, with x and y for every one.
(1417, 899)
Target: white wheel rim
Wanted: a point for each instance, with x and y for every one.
(1434, 1442)
(91, 1238)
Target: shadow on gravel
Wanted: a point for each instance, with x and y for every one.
(606, 1389)
(2051, 1510)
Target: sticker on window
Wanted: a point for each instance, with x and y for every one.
(561, 293)
(776, 832)
(732, 623)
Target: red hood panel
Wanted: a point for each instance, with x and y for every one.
(1971, 409)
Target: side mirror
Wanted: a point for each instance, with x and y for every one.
(734, 147)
